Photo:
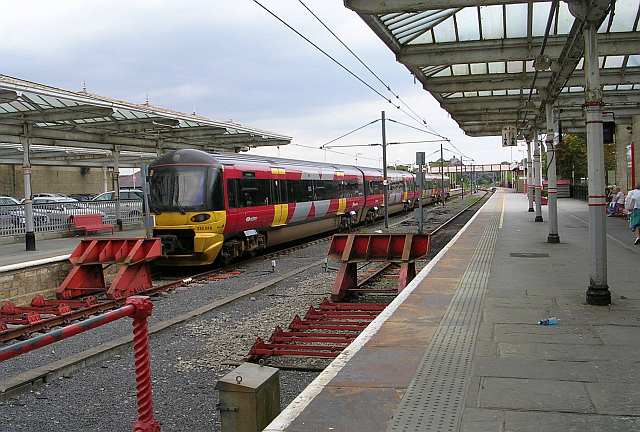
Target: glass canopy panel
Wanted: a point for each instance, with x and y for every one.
(424, 38)
(540, 16)
(634, 60)
(514, 66)
(460, 69)
(468, 28)
(478, 68)
(516, 17)
(496, 67)
(625, 16)
(445, 31)
(443, 73)
(613, 62)
(491, 21)
(565, 19)
(625, 87)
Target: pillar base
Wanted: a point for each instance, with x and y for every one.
(598, 295)
(553, 238)
(119, 224)
(30, 241)
(539, 219)
(531, 210)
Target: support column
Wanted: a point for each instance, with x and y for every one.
(537, 178)
(552, 187)
(105, 179)
(622, 140)
(598, 291)
(635, 150)
(29, 235)
(385, 180)
(530, 185)
(116, 184)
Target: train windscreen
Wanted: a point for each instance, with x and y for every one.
(179, 188)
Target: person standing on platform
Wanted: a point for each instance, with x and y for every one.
(616, 206)
(632, 204)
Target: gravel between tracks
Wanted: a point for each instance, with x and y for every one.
(187, 359)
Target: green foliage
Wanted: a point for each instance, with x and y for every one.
(572, 157)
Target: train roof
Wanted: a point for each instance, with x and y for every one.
(191, 156)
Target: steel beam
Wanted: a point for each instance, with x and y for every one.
(511, 81)
(77, 112)
(8, 96)
(484, 51)
(380, 7)
(530, 183)
(194, 132)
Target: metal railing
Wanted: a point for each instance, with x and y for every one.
(579, 191)
(55, 217)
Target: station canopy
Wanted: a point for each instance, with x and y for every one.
(85, 129)
(481, 59)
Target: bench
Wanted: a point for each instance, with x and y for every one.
(89, 223)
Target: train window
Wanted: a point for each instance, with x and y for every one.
(232, 193)
(325, 189)
(279, 191)
(250, 192)
(375, 187)
(350, 189)
(300, 190)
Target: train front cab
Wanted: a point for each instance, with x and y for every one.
(188, 205)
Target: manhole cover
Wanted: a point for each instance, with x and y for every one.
(529, 255)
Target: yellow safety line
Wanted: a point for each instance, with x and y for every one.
(502, 213)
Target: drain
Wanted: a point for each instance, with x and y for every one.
(529, 255)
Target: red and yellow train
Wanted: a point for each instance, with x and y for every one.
(210, 206)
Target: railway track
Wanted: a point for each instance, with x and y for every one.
(41, 316)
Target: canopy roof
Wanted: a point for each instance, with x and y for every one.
(84, 129)
(478, 58)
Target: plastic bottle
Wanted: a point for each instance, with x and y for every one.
(549, 321)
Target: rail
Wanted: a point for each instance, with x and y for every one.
(55, 217)
(137, 307)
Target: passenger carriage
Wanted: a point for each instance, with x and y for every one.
(227, 205)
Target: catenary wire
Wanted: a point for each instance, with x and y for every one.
(417, 117)
(349, 133)
(349, 71)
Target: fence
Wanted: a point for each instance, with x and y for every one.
(579, 191)
(54, 217)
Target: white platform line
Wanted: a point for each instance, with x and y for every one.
(27, 264)
(295, 408)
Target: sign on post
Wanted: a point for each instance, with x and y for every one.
(509, 136)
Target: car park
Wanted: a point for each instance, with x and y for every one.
(130, 203)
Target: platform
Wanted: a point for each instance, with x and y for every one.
(460, 349)
(14, 253)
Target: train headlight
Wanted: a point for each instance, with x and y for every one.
(200, 217)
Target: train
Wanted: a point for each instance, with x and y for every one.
(209, 207)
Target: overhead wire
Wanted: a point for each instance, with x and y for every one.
(350, 132)
(417, 117)
(419, 129)
(333, 59)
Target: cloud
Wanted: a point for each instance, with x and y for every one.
(226, 60)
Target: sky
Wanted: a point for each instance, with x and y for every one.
(230, 60)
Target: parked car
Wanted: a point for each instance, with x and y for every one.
(12, 214)
(82, 197)
(59, 209)
(130, 202)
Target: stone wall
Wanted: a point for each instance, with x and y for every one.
(20, 286)
(66, 180)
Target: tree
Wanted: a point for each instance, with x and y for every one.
(572, 158)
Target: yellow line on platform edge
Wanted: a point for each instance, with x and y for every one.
(502, 213)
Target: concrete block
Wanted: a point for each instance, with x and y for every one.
(567, 422)
(560, 334)
(618, 335)
(482, 420)
(531, 394)
(535, 369)
(615, 398)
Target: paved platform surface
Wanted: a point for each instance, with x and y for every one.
(14, 253)
(462, 350)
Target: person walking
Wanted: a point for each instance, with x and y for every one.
(616, 206)
(632, 204)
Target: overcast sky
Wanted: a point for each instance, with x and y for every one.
(230, 60)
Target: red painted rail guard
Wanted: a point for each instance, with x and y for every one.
(351, 249)
(137, 307)
(132, 255)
